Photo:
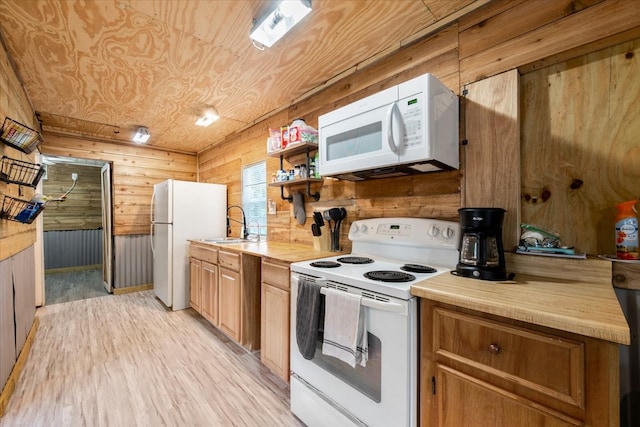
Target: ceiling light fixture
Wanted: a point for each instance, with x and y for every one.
(278, 21)
(142, 135)
(210, 115)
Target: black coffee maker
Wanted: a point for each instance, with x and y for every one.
(480, 246)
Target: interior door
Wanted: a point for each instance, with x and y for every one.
(107, 224)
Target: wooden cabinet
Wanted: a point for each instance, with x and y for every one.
(225, 290)
(275, 294)
(479, 370)
(202, 286)
(209, 292)
(230, 303)
(195, 283)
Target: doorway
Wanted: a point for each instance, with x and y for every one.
(76, 229)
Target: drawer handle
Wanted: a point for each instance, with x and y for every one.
(494, 348)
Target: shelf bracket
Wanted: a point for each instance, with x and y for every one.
(315, 196)
(288, 199)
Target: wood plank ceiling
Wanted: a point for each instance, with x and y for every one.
(101, 68)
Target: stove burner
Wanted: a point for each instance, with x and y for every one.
(355, 260)
(389, 276)
(418, 268)
(325, 264)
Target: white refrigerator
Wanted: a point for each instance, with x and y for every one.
(182, 210)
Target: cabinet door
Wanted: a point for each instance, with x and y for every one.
(466, 401)
(195, 285)
(209, 282)
(274, 342)
(229, 308)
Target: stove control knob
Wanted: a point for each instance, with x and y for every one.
(433, 231)
(449, 233)
(354, 228)
(363, 229)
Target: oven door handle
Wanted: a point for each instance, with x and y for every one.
(375, 304)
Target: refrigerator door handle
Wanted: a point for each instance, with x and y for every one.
(153, 249)
(153, 199)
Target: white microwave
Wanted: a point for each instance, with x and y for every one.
(406, 129)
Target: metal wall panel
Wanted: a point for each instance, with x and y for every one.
(7, 329)
(133, 261)
(72, 248)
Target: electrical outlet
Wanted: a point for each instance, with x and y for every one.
(74, 176)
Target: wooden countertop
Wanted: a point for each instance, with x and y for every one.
(570, 295)
(283, 251)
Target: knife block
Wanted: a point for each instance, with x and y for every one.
(322, 242)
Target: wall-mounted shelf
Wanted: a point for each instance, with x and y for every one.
(296, 182)
(20, 172)
(303, 148)
(20, 210)
(19, 136)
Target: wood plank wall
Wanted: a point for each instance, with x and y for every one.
(501, 36)
(430, 195)
(135, 170)
(580, 139)
(14, 103)
(82, 209)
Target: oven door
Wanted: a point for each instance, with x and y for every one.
(383, 393)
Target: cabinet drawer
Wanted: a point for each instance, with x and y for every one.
(230, 260)
(275, 274)
(203, 253)
(547, 364)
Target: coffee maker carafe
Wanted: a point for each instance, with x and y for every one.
(480, 246)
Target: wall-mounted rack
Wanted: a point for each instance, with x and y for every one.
(19, 136)
(20, 172)
(307, 149)
(18, 210)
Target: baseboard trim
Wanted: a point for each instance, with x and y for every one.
(10, 386)
(76, 268)
(130, 289)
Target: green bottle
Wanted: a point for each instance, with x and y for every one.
(316, 160)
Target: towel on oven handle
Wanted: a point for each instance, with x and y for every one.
(345, 332)
(307, 317)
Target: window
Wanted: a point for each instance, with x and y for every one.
(254, 196)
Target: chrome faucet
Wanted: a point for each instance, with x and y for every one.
(257, 225)
(245, 232)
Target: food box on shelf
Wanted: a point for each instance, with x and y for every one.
(299, 134)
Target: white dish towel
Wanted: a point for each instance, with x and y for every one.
(345, 331)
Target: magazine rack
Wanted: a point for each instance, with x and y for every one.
(20, 210)
(20, 172)
(19, 136)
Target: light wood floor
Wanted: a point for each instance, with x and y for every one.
(126, 361)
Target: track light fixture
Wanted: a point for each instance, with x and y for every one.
(210, 115)
(278, 21)
(142, 135)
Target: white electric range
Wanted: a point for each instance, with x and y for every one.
(388, 256)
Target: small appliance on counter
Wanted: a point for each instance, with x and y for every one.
(481, 251)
